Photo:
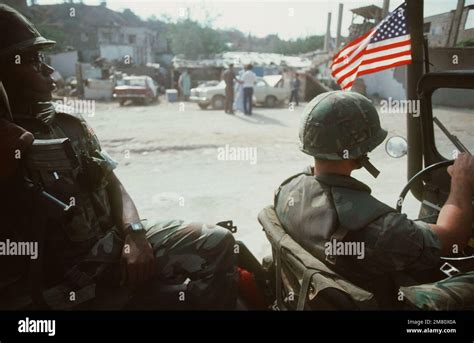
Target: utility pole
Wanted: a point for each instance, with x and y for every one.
(386, 5)
(328, 34)
(456, 22)
(339, 23)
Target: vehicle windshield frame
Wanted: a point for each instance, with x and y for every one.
(427, 85)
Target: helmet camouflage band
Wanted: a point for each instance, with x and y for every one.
(340, 125)
(18, 33)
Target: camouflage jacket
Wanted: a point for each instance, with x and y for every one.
(90, 236)
(318, 210)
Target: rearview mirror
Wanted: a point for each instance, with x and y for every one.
(396, 147)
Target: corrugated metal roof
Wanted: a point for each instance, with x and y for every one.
(239, 58)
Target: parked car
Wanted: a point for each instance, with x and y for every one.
(269, 94)
(138, 89)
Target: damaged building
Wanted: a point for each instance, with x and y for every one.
(99, 32)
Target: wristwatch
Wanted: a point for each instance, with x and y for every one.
(134, 228)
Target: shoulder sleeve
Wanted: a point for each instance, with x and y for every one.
(89, 143)
(401, 244)
(98, 154)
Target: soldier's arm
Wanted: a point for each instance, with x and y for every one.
(139, 259)
(455, 219)
(123, 208)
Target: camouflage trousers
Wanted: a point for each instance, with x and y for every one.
(453, 293)
(195, 269)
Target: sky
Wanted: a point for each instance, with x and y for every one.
(288, 19)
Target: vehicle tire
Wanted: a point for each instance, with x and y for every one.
(271, 101)
(122, 102)
(218, 102)
(203, 106)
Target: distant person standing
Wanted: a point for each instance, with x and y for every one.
(239, 94)
(184, 84)
(295, 88)
(229, 76)
(248, 78)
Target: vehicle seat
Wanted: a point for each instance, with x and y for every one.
(304, 282)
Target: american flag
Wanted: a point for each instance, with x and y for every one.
(385, 46)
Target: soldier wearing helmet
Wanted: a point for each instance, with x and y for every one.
(105, 255)
(335, 218)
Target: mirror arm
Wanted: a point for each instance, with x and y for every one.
(456, 142)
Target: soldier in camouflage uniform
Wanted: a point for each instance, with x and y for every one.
(324, 206)
(105, 256)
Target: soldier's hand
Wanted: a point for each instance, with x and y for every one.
(14, 140)
(138, 259)
(463, 170)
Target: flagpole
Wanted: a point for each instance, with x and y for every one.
(414, 73)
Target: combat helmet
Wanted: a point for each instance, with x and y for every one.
(340, 125)
(18, 33)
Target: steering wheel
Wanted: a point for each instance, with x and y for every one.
(415, 178)
(407, 188)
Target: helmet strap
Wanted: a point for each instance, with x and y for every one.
(364, 162)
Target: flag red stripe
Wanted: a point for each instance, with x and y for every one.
(345, 76)
(372, 60)
(374, 70)
(388, 46)
(334, 72)
(370, 50)
(388, 66)
(386, 57)
(354, 42)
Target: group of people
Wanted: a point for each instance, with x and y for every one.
(108, 245)
(244, 85)
(245, 88)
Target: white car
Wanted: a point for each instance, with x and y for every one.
(268, 91)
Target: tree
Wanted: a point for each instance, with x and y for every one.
(131, 17)
(57, 34)
(193, 40)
